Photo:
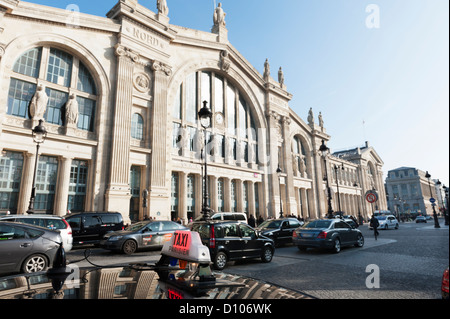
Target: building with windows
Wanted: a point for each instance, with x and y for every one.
(119, 97)
(408, 192)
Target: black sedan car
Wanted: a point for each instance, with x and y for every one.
(327, 233)
(279, 230)
(146, 234)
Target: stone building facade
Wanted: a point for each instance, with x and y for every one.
(120, 97)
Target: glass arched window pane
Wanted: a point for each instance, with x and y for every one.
(231, 110)
(191, 98)
(177, 105)
(137, 127)
(242, 118)
(29, 62)
(56, 101)
(218, 88)
(19, 97)
(85, 80)
(59, 68)
(86, 114)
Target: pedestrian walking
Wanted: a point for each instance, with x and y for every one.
(374, 223)
(251, 221)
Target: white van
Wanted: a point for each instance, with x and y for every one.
(240, 217)
(47, 221)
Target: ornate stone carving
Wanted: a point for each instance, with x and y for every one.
(38, 104)
(162, 7)
(266, 70)
(124, 51)
(72, 111)
(142, 82)
(311, 117)
(225, 61)
(219, 16)
(162, 67)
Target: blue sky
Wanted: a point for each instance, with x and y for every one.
(394, 79)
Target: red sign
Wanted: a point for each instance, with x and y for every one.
(181, 242)
(371, 198)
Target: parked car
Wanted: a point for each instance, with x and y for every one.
(421, 219)
(232, 240)
(90, 227)
(25, 248)
(327, 233)
(146, 234)
(241, 217)
(280, 230)
(444, 286)
(386, 222)
(51, 222)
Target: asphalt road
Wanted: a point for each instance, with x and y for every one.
(409, 263)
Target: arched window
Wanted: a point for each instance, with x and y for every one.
(62, 73)
(137, 127)
(299, 157)
(233, 123)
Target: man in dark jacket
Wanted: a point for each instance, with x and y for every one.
(252, 221)
(374, 223)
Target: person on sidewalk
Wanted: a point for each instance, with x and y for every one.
(374, 223)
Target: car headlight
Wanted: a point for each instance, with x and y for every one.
(115, 238)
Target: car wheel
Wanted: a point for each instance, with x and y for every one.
(267, 255)
(396, 226)
(337, 246)
(359, 241)
(34, 263)
(220, 261)
(129, 247)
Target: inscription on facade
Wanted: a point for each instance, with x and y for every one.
(146, 37)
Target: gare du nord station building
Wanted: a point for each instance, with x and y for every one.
(119, 97)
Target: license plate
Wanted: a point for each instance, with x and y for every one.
(306, 235)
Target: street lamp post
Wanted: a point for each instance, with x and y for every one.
(436, 222)
(337, 184)
(279, 171)
(39, 133)
(205, 116)
(355, 184)
(325, 150)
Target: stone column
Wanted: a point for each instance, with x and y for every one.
(161, 134)
(118, 194)
(62, 192)
(27, 183)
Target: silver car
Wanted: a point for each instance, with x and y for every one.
(25, 248)
(146, 234)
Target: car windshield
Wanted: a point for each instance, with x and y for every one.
(137, 226)
(271, 224)
(318, 224)
(381, 217)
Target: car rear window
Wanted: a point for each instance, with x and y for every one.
(202, 229)
(110, 219)
(318, 224)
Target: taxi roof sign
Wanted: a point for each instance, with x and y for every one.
(188, 246)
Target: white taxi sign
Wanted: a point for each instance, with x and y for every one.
(188, 246)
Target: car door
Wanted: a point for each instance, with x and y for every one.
(149, 235)
(91, 229)
(14, 247)
(285, 232)
(345, 232)
(232, 240)
(251, 246)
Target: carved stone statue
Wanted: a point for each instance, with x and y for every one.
(266, 69)
(162, 7)
(302, 165)
(219, 16)
(72, 111)
(320, 120)
(281, 77)
(311, 117)
(38, 104)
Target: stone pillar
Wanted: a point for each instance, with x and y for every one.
(161, 134)
(118, 194)
(62, 193)
(27, 183)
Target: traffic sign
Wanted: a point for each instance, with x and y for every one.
(432, 200)
(371, 196)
